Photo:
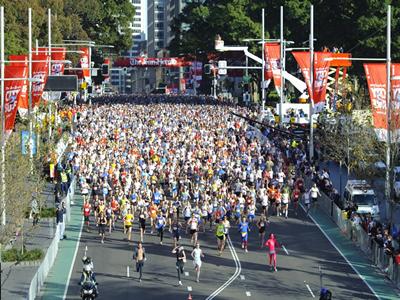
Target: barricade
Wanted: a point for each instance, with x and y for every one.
(359, 236)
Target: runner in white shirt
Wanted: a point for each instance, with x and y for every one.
(197, 254)
(193, 224)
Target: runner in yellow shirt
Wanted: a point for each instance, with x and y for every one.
(128, 220)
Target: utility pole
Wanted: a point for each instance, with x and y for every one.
(311, 75)
(388, 184)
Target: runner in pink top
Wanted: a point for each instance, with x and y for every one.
(272, 244)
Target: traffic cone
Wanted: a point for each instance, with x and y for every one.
(190, 297)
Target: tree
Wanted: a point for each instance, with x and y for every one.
(349, 139)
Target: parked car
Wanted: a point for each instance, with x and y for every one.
(360, 193)
(396, 181)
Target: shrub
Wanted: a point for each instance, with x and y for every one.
(14, 254)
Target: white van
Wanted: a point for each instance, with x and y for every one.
(359, 192)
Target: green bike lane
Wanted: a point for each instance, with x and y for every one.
(57, 281)
(382, 288)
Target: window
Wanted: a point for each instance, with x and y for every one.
(137, 19)
(137, 37)
(160, 16)
(160, 44)
(136, 30)
(137, 25)
(136, 1)
(160, 25)
(159, 34)
(138, 13)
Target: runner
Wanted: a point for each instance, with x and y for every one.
(220, 234)
(272, 244)
(262, 225)
(142, 223)
(128, 220)
(102, 222)
(160, 225)
(139, 256)
(193, 223)
(176, 229)
(180, 261)
(197, 255)
(86, 213)
(244, 232)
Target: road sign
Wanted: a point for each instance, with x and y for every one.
(222, 67)
(246, 79)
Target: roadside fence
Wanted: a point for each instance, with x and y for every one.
(51, 254)
(359, 236)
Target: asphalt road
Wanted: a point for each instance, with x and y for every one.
(298, 270)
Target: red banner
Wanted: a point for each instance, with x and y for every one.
(320, 78)
(267, 69)
(12, 89)
(168, 62)
(23, 104)
(273, 58)
(321, 70)
(57, 56)
(84, 62)
(39, 72)
(376, 79)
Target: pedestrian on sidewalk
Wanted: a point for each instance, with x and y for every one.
(197, 254)
(60, 220)
(180, 261)
(139, 255)
(35, 211)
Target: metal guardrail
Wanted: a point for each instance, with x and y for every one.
(51, 254)
(357, 234)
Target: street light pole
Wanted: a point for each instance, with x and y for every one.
(388, 109)
(311, 75)
(30, 83)
(49, 68)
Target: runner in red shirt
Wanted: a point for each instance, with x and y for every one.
(272, 244)
(86, 212)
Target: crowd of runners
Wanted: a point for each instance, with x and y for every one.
(179, 165)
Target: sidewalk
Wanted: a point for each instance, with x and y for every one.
(57, 281)
(16, 278)
(382, 287)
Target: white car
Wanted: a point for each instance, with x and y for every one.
(396, 180)
(359, 192)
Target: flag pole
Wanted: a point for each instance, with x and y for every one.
(388, 109)
(3, 122)
(263, 61)
(30, 84)
(311, 145)
(282, 62)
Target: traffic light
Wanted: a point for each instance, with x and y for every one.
(207, 69)
(105, 70)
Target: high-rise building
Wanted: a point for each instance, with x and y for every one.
(121, 79)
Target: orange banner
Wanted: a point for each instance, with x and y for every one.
(273, 58)
(12, 89)
(376, 79)
(267, 70)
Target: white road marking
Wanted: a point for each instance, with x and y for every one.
(234, 276)
(248, 294)
(127, 271)
(189, 288)
(186, 273)
(284, 249)
(309, 289)
(341, 253)
(242, 277)
(73, 260)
